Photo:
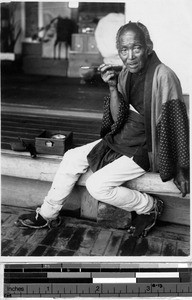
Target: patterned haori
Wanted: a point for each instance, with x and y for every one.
(173, 132)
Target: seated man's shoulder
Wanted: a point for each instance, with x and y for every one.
(165, 71)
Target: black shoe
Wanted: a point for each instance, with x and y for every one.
(142, 224)
(36, 221)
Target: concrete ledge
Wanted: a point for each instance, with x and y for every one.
(26, 181)
(22, 192)
(44, 167)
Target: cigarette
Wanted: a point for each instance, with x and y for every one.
(89, 67)
(115, 67)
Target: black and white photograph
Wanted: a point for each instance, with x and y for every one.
(95, 129)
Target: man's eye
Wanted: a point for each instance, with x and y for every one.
(137, 48)
(124, 51)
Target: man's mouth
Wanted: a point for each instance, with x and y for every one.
(132, 66)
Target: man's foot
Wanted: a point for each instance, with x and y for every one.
(142, 224)
(36, 221)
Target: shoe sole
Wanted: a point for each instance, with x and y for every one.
(159, 213)
(50, 224)
(23, 224)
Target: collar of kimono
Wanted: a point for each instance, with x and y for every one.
(153, 63)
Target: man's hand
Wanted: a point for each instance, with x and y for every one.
(108, 75)
(182, 182)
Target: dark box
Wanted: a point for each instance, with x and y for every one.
(54, 142)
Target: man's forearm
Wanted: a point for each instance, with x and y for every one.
(114, 102)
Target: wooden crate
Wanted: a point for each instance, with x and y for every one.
(48, 143)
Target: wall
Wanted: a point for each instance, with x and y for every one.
(170, 26)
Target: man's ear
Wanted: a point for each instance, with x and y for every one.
(149, 51)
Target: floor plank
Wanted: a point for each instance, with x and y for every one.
(127, 246)
(89, 238)
(183, 249)
(114, 243)
(101, 242)
(8, 231)
(76, 239)
(35, 239)
(63, 237)
(4, 216)
(169, 247)
(154, 246)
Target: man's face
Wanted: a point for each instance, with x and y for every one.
(132, 51)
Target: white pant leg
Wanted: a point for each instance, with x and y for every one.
(73, 164)
(105, 185)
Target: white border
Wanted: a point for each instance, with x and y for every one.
(97, 259)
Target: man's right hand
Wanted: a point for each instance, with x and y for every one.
(108, 75)
(182, 181)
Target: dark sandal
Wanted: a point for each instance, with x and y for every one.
(142, 224)
(36, 221)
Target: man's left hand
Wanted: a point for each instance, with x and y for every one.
(181, 180)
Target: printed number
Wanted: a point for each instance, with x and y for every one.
(148, 288)
(97, 288)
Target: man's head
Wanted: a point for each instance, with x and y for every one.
(134, 45)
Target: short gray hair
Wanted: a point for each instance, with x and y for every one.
(138, 27)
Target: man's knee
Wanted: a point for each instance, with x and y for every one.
(95, 187)
(72, 156)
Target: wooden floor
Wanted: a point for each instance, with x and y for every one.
(77, 237)
(50, 92)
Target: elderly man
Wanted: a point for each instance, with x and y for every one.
(144, 128)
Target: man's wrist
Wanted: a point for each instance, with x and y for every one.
(112, 88)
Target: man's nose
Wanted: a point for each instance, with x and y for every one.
(130, 54)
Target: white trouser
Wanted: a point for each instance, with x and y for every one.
(104, 185)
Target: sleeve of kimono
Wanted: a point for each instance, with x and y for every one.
(173, 131)
(107, 119)
(108, 125)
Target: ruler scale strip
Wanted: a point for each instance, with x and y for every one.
(70, 280)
